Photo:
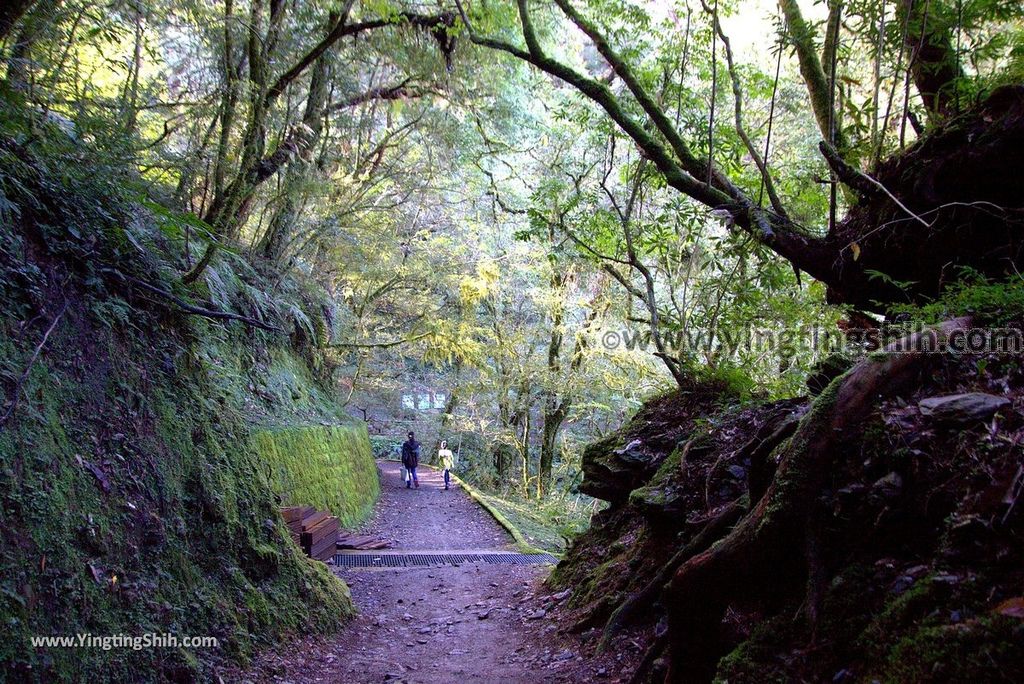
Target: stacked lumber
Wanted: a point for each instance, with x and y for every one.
(293, 516)
(320, 540)
(315, 531)
(361, 542)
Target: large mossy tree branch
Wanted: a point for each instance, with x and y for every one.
(602, 95)
(230, 208)
(696, 167)
(341, 29)
(809, 254)
(812, 72)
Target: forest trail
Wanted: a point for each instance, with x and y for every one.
(470, 623)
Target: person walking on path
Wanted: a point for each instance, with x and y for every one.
(447, 459)
(411, 460)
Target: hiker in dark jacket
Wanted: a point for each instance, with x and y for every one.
(411, 459)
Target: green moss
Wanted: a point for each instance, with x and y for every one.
(984, 650)
(670, 466)
(843, 614)
(132, 499)
(651, 496)
(755, 661)
(791, 481)
(114, 469)
(329, 467)
(488, 503)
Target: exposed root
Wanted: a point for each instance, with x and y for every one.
(760, 448)
(763, 553)
(643, 670)
(594, 616)
(641, 600)
(817, 574)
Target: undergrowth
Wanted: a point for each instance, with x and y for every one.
(989, 302)
(131, 497)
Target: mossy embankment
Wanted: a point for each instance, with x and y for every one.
(135, 491)
(326, 466)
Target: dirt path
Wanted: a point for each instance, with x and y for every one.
(472, 623)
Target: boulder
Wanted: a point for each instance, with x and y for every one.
(962, 408)
(611, 471)
(659, 503)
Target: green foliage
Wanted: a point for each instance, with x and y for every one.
(385, 447)
(736, 381)
(994, 303)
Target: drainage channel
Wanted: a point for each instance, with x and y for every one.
(356, 559)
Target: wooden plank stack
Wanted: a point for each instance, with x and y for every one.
(293, 516)
(315, 531)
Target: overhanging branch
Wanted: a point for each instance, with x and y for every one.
(191, 308)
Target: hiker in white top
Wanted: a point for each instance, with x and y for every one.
(447, 460)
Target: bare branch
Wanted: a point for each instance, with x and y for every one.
(191, 308)
(380, 345)
(862, 182)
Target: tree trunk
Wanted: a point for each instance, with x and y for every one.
(10, 12)
(503, 455)
(933, 59)
(554, 416)
(450, 406)
(279, 233)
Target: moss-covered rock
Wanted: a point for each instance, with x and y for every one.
(133, 502)
(611, 470)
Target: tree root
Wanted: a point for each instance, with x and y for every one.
(817, 574)
(642, 671)
(639, 601)
(594, 616)
(766, 550)
(759, 450)
(776, 430)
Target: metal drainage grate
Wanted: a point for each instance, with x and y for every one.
(427, 560)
